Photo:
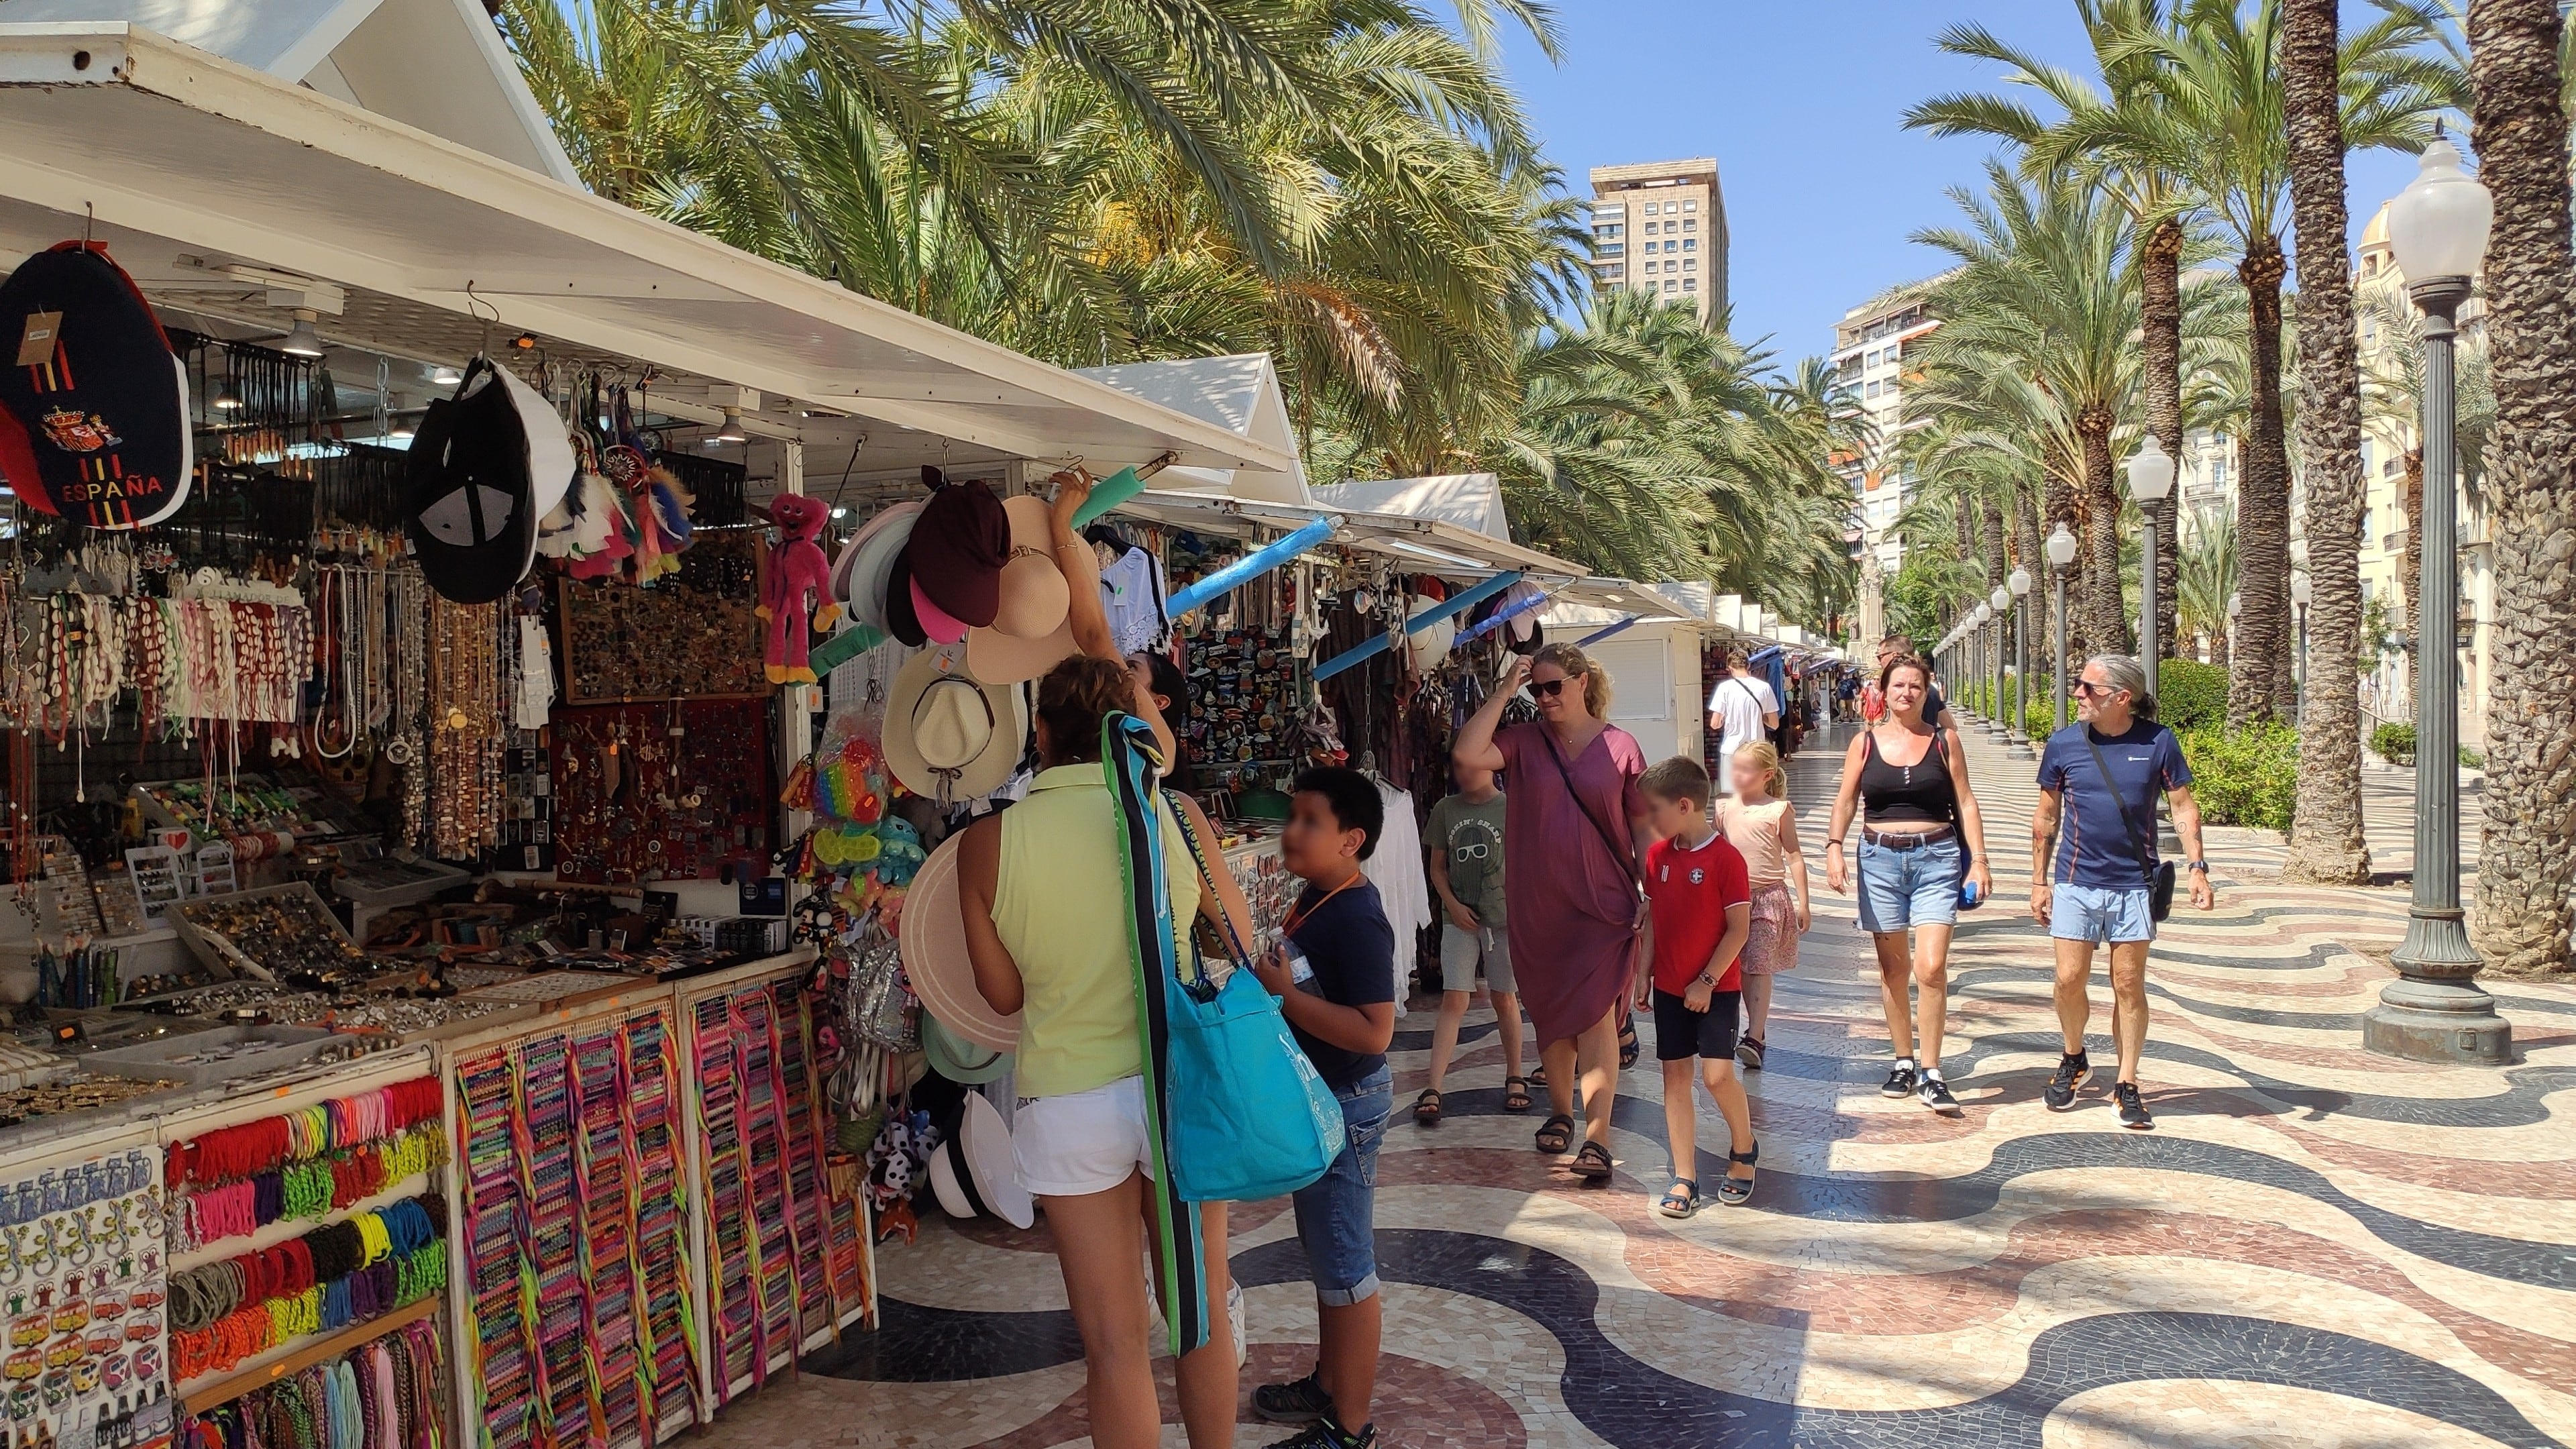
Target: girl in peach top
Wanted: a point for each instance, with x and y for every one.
(1763, 828)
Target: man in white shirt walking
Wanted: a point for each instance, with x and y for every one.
(1741, 710)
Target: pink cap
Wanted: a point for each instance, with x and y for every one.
(942, 626)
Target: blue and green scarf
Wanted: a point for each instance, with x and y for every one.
(1133, 766)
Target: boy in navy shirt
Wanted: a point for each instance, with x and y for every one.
(1335, 980)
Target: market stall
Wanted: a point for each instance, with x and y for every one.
(411, 586)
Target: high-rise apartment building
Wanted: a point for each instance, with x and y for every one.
(1661, 227)
(1870, 346)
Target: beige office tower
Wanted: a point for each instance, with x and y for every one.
(1661, 227)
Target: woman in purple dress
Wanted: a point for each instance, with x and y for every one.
(1576, 824)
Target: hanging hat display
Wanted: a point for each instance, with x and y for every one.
(94, 418)
(958, 550)
(973, 1173)
(949, 735)
(859, 575)
(1033, 591)
(471, 505)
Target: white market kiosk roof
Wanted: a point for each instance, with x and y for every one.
(237, 192)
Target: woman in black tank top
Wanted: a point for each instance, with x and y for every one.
(1921, 836)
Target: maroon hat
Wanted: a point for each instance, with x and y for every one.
(958, 550)
(902, 621)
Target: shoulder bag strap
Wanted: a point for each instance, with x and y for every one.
(2146, 861)
(1207, 879)
(1623, 852)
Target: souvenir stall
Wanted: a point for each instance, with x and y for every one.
(409, 593)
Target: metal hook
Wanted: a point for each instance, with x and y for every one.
(89, 222)
(475, 306)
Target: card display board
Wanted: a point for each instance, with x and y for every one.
(674, 791)
(785, 1250)
(692, 636)
(86, 1287)
(575, 1232)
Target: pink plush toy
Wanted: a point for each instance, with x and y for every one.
(800, 578)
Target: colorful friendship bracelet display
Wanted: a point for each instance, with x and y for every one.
(308, 1189)
(785, 1251)
(389, 1394)
(574, 1190)
(338, 1274)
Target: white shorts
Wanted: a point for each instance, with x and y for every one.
(1082, 1142)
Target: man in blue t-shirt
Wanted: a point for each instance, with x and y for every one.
(2100, 777)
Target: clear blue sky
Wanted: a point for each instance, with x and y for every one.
(1801, 104)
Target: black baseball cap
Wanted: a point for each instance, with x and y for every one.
(470, 503)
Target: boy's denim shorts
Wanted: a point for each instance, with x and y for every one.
(1336, 1213)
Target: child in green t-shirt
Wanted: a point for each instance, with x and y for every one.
(1464, 845)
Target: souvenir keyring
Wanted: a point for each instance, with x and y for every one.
(40, 1250)
(13, 1267)
(84, 1246)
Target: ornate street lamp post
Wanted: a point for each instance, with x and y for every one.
(2435, 1010)
(2061, 553)
(1977, 642)
(2001, 602)
(2019, 734)
(2151, 476)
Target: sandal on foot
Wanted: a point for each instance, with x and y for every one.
(1627, 1045)
(1682, 1200)
(1516, 1094)
(1731, 1190)
(1426, 1108)
(1592, 1162)
(1538, 1077)
(1556, 1134)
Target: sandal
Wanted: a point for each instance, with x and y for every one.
(1538, 1077)
(1627, 1045)
(1556, 1134)
(1682, 1200)
(1426, 1108)
(1516, 1094)
(1732, 1190)
(1592, 1163)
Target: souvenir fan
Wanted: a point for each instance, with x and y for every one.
(94, 418)
(800, 578)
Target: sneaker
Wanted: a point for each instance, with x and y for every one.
(1298, 1401)
(1900, 1082)
(1934, 1093)
(1325, 1434)
(2072, 1070)
(2133, 1113)
(1748, 1054)
(1234, 1319)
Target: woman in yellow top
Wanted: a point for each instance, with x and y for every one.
(1046, 927)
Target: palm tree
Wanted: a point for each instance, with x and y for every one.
(2037, 322)
(2326, 842)
(2212, 112)
(2527, 861)
(2161, 208)
(2207, 579)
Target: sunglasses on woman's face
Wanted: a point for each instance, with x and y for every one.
(1545, 688)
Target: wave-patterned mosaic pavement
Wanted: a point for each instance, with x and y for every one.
(2314, 1247)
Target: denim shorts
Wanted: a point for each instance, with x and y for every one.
(1901, 888)
(2102, 915)
(1336, 1213)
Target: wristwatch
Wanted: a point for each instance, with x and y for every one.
(2199, 865)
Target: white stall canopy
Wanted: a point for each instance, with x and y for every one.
(1238, 393)
(238, 195)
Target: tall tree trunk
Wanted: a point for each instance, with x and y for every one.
(2326, 844)
(2218, 650)
(2527, 859)
(2410, 581)
(2106, 628)
(2263, 499)
(2160, 328)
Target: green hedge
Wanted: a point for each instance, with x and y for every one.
(2394, 742)
(2246, 776)
(2191, 695)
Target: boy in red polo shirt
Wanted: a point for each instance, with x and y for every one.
(1697, 887)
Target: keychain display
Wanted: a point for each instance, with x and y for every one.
(85, 1286)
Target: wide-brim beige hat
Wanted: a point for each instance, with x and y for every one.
(933, 942)
(948, 734)
(999, 658)
(1033, 588)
